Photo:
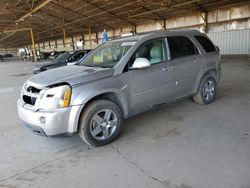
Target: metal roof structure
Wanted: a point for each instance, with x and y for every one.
(50, 19)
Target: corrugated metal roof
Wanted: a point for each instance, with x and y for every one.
(48, 17)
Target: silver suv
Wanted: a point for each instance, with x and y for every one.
(119, 79)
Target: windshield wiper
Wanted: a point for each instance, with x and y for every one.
(96, 66)
(89, 65)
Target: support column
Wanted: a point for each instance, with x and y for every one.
(113, 33)
(205, 25)
(134, 29)
(90, 41)
(164, 25)
(64, 39)
(83, 41)
(73, 43)
(39, 47)
(33, 44)
(96, 36)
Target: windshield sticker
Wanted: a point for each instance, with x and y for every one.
(71, 53)
(128, 43)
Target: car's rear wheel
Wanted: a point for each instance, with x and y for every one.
(207, 91)
(100, 123)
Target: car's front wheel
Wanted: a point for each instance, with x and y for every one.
(207, 91)
(100, 122)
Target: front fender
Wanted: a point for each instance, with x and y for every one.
(81, 95)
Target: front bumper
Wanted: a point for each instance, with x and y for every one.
(50, 123)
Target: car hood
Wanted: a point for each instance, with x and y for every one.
(74, 75)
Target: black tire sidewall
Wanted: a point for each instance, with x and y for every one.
(87, 116)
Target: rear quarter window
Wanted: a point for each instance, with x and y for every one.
(205, 43)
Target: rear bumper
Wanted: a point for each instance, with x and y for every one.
(50, 123)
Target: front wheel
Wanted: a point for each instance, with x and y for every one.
(207, 91)
(100, 123)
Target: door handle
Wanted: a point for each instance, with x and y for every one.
(196, 61)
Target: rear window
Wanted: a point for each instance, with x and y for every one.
(181, 46)
(205, 43)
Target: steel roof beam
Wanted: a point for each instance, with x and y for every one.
(41, 5)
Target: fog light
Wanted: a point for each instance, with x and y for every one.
(42, 120)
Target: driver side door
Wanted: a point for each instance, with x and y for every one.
(152, 85)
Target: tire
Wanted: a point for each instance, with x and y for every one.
(100, 123)
(207, 91)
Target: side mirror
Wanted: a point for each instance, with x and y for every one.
(141, 63)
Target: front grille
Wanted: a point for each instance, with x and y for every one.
(29, 100)
(30, 95)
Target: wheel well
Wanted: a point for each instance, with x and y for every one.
(211, 72)
(113, 97)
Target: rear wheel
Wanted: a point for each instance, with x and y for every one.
(207, 91)
(100, 123)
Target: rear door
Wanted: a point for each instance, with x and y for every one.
(185, 64)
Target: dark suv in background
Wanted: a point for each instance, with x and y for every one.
(70, 57)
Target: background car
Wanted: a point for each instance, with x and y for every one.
(55, 54)
(67, 57)
(79, 60)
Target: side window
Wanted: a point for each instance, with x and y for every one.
(154, 51)
(205, 43)
(181, 46)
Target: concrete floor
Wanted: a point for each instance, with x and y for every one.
(180, 145)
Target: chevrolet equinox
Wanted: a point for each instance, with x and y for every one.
(118, 79)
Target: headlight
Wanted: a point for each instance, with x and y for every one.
(55, 98)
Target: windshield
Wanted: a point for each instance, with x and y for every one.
(108, 54)
(63, 57)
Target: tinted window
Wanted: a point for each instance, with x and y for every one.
(205, 43)
(181, 46)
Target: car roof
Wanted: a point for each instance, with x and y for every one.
(153, 33)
